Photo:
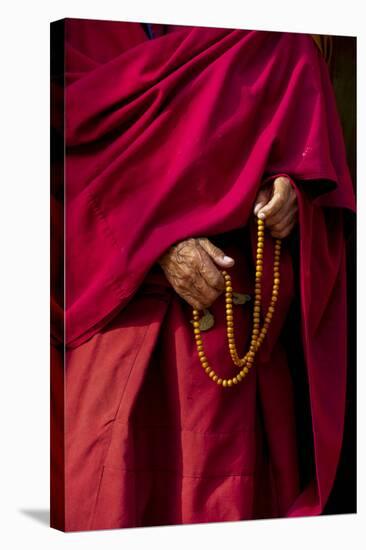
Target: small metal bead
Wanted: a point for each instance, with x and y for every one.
(219, 381)
(224, 383)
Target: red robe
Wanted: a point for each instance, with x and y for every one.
(169, 139)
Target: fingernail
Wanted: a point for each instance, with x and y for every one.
(257, 208)
(227, 259)
(261, 215)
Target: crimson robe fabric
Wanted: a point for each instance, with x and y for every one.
(168, 139)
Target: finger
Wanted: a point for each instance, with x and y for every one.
(290, 205)
(262, 199)
(282, 216)
(291, 217)
(281, 188)
(202, 292)
(216, 253)
(193, 302)
(193, 283)
(284, 232)
(210, 273)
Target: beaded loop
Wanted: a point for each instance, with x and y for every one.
(258, 332)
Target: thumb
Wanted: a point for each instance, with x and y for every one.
(216, 253)
(262, 199)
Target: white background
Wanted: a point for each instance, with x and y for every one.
(24, 317)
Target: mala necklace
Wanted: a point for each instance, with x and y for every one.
(258, 332)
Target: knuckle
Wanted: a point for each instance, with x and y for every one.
(185, 282)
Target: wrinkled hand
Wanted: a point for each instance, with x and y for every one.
(276, 204)
(191, 268)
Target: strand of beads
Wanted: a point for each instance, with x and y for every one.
(258, 333)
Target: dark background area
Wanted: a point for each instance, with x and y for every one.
(342, 67)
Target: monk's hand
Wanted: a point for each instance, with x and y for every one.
(193, 268)
(276, 205)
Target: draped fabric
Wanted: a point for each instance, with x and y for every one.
(171, 138)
